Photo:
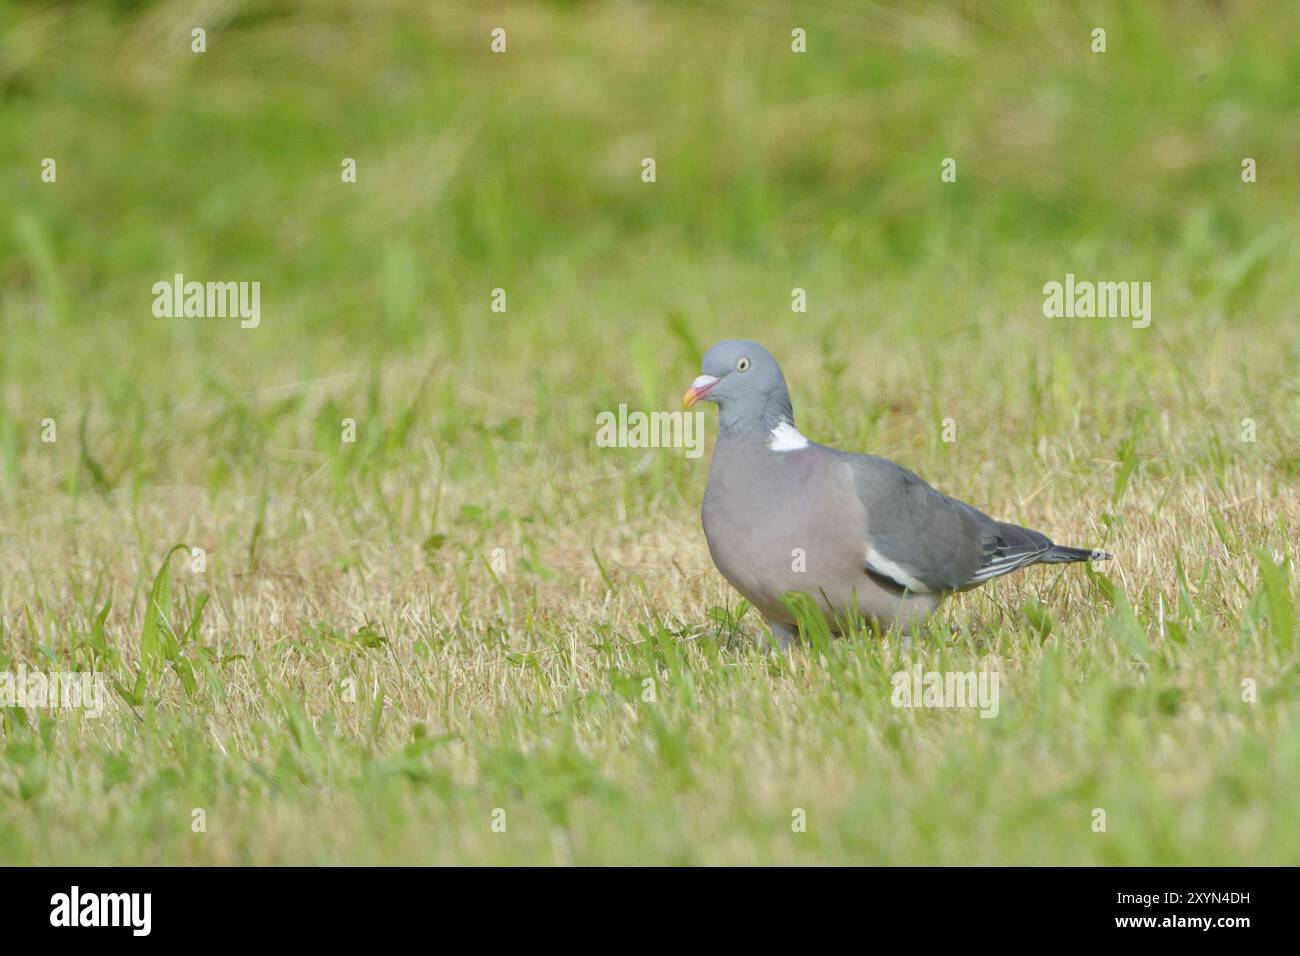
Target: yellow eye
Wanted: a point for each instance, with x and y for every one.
(742, 365)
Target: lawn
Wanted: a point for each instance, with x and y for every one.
(361, 583)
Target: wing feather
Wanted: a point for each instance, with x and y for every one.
(922, 540)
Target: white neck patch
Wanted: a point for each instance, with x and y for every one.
(785, 437)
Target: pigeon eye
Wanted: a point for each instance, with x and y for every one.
(742, 365)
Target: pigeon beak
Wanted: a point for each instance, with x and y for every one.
(699, 388)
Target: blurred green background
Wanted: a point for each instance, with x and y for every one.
(521, 171)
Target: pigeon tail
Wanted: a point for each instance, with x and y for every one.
(1060, 554)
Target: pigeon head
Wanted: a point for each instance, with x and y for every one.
(746, 384)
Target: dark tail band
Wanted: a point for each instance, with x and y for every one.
(1059, 554)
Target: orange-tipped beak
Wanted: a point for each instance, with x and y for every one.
(699, 388)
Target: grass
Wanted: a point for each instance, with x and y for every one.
(473, 608)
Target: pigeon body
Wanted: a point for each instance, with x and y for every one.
(813, 541)
(858, 533)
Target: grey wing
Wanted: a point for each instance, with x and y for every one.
(1009, 548)
(922, 540)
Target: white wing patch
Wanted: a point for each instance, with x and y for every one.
(895, 572)
(785, 437)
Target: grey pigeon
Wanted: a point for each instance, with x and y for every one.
(858, 533)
